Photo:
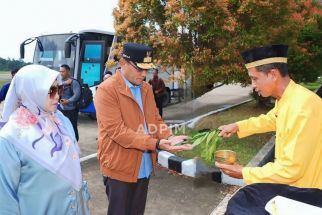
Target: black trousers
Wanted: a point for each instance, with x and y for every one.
(72, 115)
(126, 198)
(251, 200)
(159, 103)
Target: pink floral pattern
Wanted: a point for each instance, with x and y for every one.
(25, 118)
(67, 141)
(51, 124)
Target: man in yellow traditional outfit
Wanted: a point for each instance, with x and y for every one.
(296, 118)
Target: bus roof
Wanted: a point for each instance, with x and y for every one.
(81, 32)
(96, 31)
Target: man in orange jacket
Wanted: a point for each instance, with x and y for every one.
(130, 132)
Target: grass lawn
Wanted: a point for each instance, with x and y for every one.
(2, 82)
(313, 85)
(246, 148)
(5, 77)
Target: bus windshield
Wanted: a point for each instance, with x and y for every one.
(52, 55)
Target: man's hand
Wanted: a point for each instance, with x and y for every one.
(228, 130)
(64, 101)
(178, 139)
(166, 145)
(234, 170)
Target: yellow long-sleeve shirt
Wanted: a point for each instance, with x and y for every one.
(297, 120)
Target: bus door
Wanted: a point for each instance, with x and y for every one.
(91, 67)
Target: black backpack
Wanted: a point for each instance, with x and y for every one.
(86, 95)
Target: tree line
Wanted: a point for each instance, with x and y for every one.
(205, 38)
(10, 64)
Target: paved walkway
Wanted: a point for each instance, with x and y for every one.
(214, 99)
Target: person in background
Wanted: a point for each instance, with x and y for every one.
(4, 89)
(40, 170)
(70, 96)
(297, 121)
(130, 131)
(158, 87)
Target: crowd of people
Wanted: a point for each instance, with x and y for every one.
(40, 169)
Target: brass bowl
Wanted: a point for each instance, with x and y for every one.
(226, 156)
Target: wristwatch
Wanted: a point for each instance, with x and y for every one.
(158, 144)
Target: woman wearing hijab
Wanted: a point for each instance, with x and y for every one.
(39, 157)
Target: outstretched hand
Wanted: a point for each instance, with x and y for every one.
(178, 139)
(228, 130)
(167, 146)
(234, 170)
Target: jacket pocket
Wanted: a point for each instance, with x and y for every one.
(122, 160)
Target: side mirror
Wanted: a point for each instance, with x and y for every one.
(68, 44)
(68, 47)
(28, 41)
(22, 50)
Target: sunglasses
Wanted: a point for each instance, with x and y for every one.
(135, 66)
(54, 90)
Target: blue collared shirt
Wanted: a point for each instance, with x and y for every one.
(146, 163)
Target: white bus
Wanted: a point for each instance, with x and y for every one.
(85, 52)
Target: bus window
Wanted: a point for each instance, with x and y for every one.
(92, 63)
(93, 52)
(46, 56)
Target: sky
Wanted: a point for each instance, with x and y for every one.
(22, 19)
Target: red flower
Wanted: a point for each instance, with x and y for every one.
(25, 118)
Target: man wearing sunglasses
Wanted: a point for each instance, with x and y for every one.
(130, 132)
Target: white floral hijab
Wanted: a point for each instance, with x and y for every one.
(42, 135)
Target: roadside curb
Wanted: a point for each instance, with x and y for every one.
(221, 208)
(264, 155)
(189, 167)
(192, 122)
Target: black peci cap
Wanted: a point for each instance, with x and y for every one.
(139, 54)
(265, 55)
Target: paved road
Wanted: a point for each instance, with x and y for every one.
(168, 194)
